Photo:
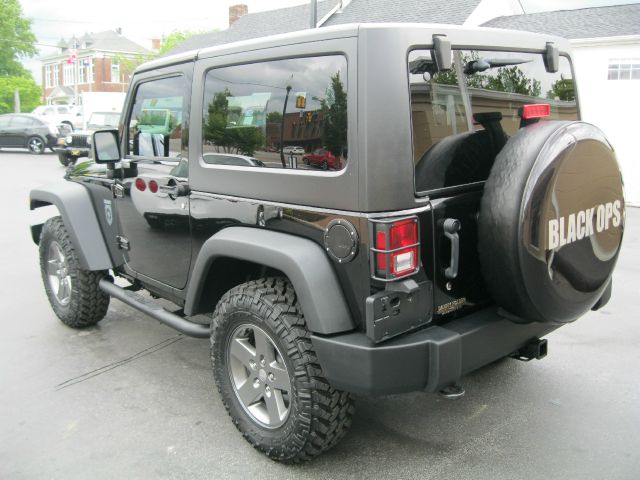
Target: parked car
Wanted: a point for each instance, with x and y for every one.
(78, 144)
(229, 159)
(322, 158)
(293, 150)
(57, 114)
(21, 130)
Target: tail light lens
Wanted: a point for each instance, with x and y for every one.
(140, 185)
(536, 110)
(396, 252)
(153, 186)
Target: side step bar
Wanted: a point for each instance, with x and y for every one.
(154, 310)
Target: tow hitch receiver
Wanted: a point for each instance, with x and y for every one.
(534, 349)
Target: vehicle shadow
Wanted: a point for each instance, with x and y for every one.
(426, 430)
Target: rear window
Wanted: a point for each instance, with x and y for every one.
(460, 127)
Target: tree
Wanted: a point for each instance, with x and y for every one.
(129, 64)
(174, 39)
(563, 89)
(513, 80)
(16, 39)
(231, 138)
(334, 108)
(30, 93)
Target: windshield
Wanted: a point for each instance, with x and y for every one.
(107, 119)
(459, 127)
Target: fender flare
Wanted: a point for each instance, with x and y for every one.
(303, 261)
(76, 209)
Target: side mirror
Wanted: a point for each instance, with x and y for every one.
(551, 58)
(441, 52)
(105, 146)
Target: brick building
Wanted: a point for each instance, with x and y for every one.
(97, 66)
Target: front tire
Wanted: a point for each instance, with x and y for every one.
(73, 293)
(268, 375)
(36, 145)
(63, 158)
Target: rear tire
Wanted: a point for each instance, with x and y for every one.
(73, 293)
(310, 416)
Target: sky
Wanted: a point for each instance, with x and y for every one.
(143, 20)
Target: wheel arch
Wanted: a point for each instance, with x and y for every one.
(74, 203)
(301, 260)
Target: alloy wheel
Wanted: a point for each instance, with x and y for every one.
(36, 145)
(259, 376)
(58, 274)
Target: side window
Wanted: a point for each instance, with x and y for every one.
(277, 113)
(21, 122)
(155, 124)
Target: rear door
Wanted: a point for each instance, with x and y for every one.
(4, 130)
(459, 127)
(152, 201)
(18, 131)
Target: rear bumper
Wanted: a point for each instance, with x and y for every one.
(429, 359)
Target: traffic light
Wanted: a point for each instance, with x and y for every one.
(301, 100)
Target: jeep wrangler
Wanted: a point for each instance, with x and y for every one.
(468, 212)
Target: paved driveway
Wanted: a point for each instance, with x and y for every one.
(132, 399)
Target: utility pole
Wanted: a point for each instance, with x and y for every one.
(16, 101)
(284, 113)
(313, 19)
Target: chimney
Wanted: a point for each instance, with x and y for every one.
(155, 44)
(237, 11)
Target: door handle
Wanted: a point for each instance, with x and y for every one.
(451, 227)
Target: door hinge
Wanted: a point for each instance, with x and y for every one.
(117, 189)
(123, 242)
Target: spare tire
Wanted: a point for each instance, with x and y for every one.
(551, 222)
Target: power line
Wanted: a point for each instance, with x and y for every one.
(60, 20)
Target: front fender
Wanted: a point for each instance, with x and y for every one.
(303, 261)
(76, 209)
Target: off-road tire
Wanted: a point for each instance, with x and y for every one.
(64, 159)
(319, 415)
(88, 304)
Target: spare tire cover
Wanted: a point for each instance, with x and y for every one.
(551, 221)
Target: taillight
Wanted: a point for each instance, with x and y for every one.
(153, 186)
(536, 110)
(396, 251)
(140, 185)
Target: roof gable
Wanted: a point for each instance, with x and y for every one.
(284, 20)
(453, 12)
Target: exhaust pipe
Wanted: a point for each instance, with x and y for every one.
(154, 310)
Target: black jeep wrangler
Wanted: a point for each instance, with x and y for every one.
(468, 213)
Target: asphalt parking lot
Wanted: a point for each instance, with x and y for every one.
(132, 399)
